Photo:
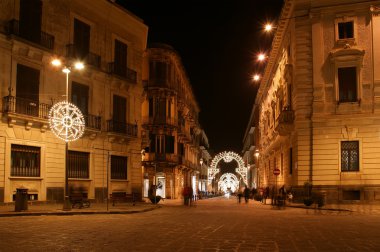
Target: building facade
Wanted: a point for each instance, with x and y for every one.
(108, 91)
(318, 100)
(172, 134)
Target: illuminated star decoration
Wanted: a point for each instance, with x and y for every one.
(66, 121)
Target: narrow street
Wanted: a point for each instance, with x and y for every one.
(217, 224)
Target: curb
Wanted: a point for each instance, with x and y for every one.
(69, 213)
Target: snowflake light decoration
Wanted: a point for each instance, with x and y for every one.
(66, 121)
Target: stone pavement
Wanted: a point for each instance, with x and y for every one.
(40, 208)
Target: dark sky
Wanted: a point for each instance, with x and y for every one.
(217, 41)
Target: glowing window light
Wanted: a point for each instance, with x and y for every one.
(66, 121)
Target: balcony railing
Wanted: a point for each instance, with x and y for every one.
(123, 72)
(93, 122)
(12, 104)
(122, 128)
(90, 59)
(44, 39)
(160, 121)
(285, 122)
(161, 157)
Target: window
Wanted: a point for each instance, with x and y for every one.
(25, 161)
(79, 96)
(119, 167)
(30, 20)
(79, 164)
(151, 105)
(120, 58)
(350, 155)
(290, 160)
(169, 144)
(152, 140)
(27, 90)
(81, 38)
(119, 109)
(346, 30)
(347, 82)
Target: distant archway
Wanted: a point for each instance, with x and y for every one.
(227, 157)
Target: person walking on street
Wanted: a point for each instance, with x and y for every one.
(246, 194)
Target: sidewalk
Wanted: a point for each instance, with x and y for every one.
(41, 208)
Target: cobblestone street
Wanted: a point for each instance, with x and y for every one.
(211, 225)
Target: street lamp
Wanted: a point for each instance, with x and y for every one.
(67, 123)
(257, 154)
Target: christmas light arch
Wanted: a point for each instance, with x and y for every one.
(227, 156)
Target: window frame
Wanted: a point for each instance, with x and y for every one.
(69, 171)
(124, 159)
(358, 158)
(39, 156)
(344, 41)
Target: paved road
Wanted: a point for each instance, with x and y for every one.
(211, 225)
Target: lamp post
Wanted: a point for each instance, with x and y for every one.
(257, 154)
(67, 123)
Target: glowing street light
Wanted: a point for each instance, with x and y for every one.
(268, 27)
(256, 77)
(261, 57)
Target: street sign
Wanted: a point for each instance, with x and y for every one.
(276, 172)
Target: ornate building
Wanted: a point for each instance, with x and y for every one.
(174, 141)
(318, 100)
(108, 91)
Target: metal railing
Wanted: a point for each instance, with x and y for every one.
(12, 104)
(92, 121)
(90, 59)
(122, 128)
(122, 71)
(160, 120)
(44, 39)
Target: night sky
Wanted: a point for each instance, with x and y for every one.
(217, 41)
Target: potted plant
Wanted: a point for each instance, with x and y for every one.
(152, 195)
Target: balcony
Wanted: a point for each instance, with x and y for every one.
(285, 122)
(16, 105)
(183, 135)
(168, 158)
(44, 39)
(127, 129)
(90, 59)
(123, 72)
(28, 111)
(162, 121)
(93, 122)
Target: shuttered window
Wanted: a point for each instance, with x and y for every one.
(30, 20)
(347, 84)
(120, 58)
(79, 96)
(81, 38)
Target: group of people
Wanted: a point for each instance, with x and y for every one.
(283, 194)
(246, 193)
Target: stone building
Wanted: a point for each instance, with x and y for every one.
(318, 100)
(108, 91)
(174, 140)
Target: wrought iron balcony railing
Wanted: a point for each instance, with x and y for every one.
(159, 121)
(12, 104)
(90, 58)
(44, 39)
(123, 72)
(122, 128)
(93, 122)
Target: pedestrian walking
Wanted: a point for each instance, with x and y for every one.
(246, 194)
